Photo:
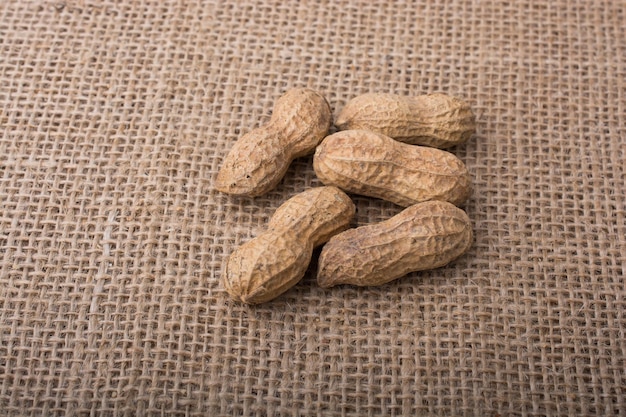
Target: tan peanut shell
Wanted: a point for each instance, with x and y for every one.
(371, 164)
(436, 120)
(268, 265)
(424, 236)
(259, 159)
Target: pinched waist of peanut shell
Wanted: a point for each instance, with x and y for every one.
(298, 136)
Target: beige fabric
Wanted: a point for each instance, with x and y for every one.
(115, 117)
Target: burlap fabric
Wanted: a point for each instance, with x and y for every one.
(114, 120)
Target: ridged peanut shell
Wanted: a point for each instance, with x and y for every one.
(424, 236)
(436, 120)
(259, 159)
(374, 165)
(271, 263)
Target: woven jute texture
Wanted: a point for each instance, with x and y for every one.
(115, 118)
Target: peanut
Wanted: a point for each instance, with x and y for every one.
(259, 159)
(371, 164)
(436, 120)
(424, 236)
(268, 265)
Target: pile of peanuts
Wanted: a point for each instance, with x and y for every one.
(388, 147)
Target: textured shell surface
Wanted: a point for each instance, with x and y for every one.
(372, 164)
(435, 119)
(274, 261)
(424, 236)
(260, 158)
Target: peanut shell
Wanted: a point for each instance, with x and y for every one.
(259, 159)
(268, 265)
(436, 120)
(424, 236)
(374, 165)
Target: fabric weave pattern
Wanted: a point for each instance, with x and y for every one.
(114, 120)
